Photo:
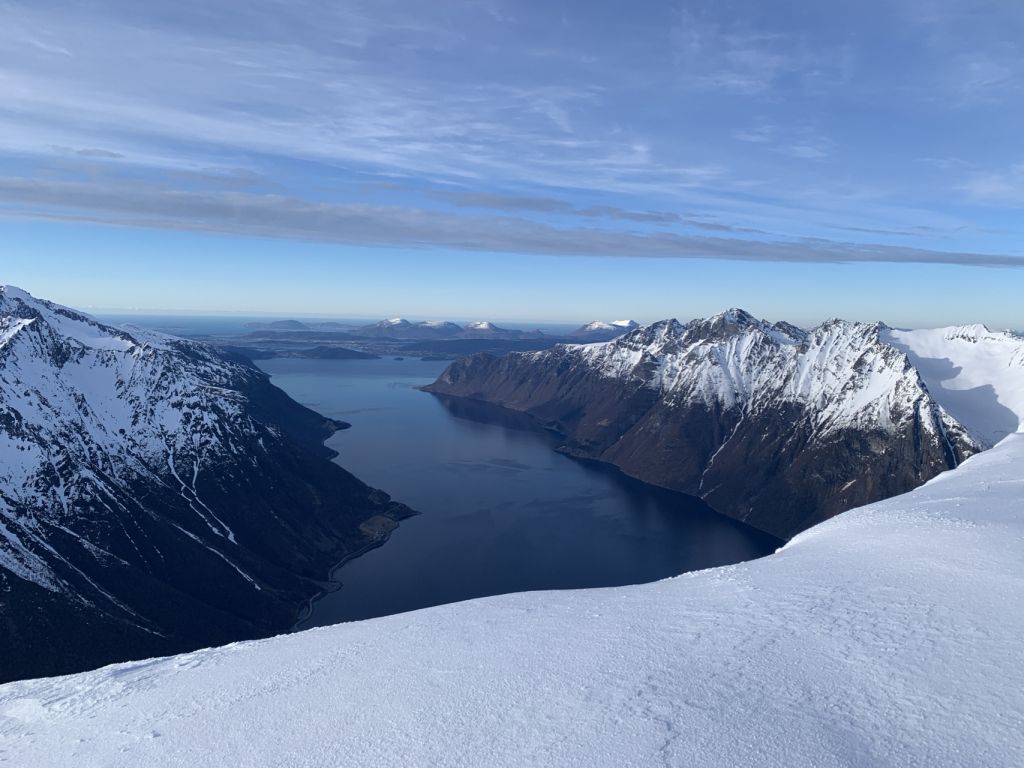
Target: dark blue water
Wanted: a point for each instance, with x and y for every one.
(501, 511)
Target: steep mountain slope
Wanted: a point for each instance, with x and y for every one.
(779, 427)
(888, 636)
(977, 374)
(155, 495)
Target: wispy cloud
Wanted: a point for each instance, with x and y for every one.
(711, 55)
(281, 216)
(761, 134)
(512, 203)
(91, 152)
(802, 142)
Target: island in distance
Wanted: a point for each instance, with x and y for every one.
(441, 339)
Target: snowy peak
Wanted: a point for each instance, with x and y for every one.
(67, 324)
(599, 330)
(601, 325)
(735, 322)
(9, 294)
(483, 325)
(440, 324)
(653, 337)
(734, 316)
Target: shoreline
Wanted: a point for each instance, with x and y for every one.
(568, 452)
(334, 584)
(331, 584)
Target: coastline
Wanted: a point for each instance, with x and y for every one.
(332, 584)
(524, 420)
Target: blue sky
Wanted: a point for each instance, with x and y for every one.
(517, 160)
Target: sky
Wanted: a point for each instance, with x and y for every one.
(517, 160)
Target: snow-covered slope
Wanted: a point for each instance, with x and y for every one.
(154, 494)
(977, 375)
(887, 636)
(774, 425)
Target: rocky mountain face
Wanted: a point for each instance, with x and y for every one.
(770, 424)
(155, 495)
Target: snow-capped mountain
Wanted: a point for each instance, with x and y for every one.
(393, 327)
(155, 495)
(405, 330)
(598, 330)
(769, 423)
(400, 328)
(484, 327)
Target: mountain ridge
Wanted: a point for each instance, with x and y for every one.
(155, 495)
(744, 413)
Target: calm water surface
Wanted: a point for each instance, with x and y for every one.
(501, 511)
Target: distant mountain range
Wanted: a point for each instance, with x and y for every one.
(400, 329)
(771, 424)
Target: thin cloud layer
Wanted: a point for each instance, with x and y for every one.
(279, 216)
